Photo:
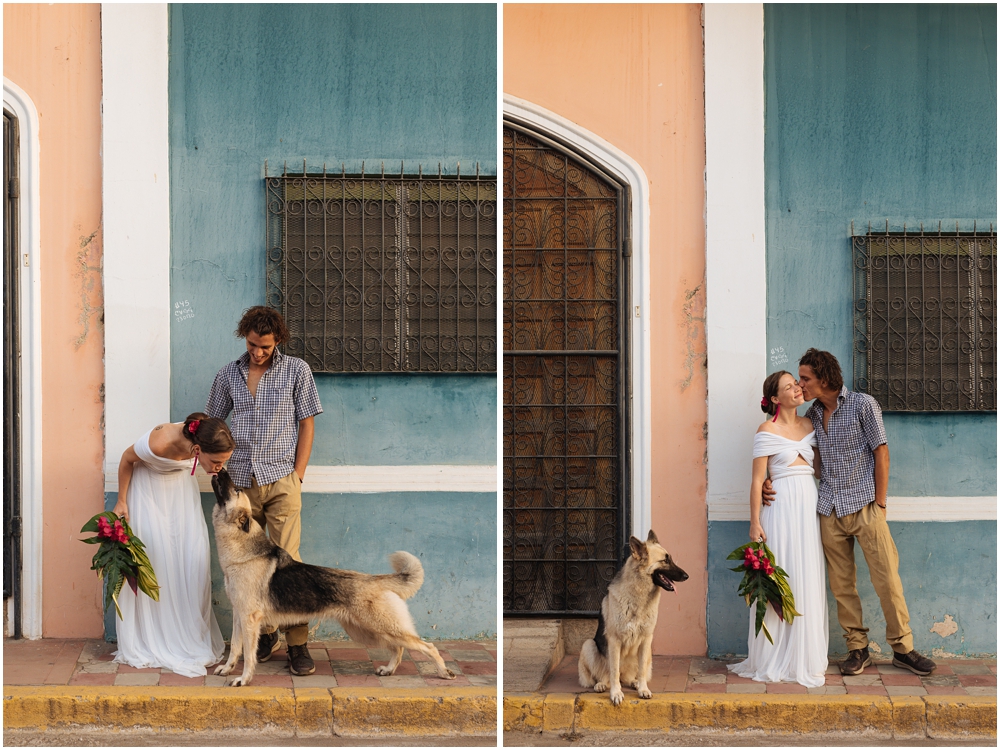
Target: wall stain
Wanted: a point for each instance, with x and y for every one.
(88, 272)
(946, 628)
(182, 266)
(693, 313)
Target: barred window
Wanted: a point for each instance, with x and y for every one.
(925, 319)
(385, 273)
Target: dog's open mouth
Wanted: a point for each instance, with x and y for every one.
(661, 580)
(223, 485)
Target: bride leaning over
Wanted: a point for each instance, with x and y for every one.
(158, 495)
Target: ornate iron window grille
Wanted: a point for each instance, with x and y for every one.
(384, 273)
(566, 482)
(925, 319)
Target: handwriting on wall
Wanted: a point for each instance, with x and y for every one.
(183, 311)
(778, 357)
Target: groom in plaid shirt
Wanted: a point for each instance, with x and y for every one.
(273, 400)
(853, 491)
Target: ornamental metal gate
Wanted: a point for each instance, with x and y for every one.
(566, 402)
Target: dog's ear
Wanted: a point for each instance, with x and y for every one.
(652, 537)
(243, 520)
(638, 548)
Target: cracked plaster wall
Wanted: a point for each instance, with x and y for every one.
(53, 53)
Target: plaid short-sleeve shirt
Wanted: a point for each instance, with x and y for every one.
(846, 448)
(266, 428)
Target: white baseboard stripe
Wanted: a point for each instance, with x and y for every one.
(900, 509)
(369, 479)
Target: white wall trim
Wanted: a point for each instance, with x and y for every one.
(30, 319)
(736, 281)
(136, 222)
(626, 169)
(940, 509)
(343, 480)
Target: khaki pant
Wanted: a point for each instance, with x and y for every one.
(869, 527)
(277, 507)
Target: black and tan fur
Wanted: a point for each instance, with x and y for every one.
(265, 585)
(621, 651)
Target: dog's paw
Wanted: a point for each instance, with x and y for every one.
(223, 669)
(644, 692)
(634, 684)
(237, 682)
(601, 687)
(449, 675)
(617, 696)
(383, 671)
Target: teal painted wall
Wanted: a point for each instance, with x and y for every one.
(877, 112)
(336, 84)
(935, 560)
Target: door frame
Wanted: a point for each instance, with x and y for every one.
(625, 169)
(30, 323)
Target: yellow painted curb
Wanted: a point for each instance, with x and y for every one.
(909, 717)
(407, 712)
(899, 717)
(313, 712)
(961, 716)
(522, 712)
(284, 711)
(159, 708)
(558, 712)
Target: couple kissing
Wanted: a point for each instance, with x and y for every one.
(842, 442)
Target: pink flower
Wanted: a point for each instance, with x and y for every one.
(104, 528)
(756, 564)
(768, 570)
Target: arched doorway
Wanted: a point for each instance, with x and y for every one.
(567, 427)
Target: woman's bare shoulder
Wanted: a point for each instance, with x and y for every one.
(160, 435)
(766, 426)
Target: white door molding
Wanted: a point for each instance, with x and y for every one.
(30, 323)
(627, 170)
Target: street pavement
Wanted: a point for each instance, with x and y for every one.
(74, 689)
(697, 700)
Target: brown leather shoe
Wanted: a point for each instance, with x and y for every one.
(267, 644)
(913, 661)
(299, 661)
(856, 661)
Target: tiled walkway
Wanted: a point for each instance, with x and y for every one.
(687, 674)
(338, 664)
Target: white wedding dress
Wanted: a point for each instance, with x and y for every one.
(799, 653)
(179, 632)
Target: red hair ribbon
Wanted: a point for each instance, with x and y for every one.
(777, 411)
(193, 427)
(763, 402)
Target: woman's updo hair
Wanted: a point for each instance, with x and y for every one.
(770, 390)
(210, 434)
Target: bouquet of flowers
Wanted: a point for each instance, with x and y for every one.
(764, 583)
(122, 557)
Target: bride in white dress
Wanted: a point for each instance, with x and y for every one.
(158, 495)
(784, 448)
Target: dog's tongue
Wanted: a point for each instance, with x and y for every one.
(661, 580)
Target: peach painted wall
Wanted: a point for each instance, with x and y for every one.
(634, 75)
(53, 53)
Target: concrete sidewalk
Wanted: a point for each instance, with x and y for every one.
(74, 686)
(699, 695)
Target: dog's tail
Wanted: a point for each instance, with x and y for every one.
(409, 575)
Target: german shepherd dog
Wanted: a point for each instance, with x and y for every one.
(265, 585)
(621, 651)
